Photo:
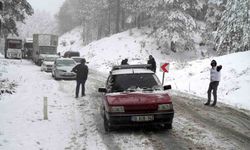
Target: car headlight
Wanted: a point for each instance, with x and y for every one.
(165, 107)
(117, 109)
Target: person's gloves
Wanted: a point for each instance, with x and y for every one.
(219, 68)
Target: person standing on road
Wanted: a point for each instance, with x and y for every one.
(152, 62)
(81, 71)
(215, 75)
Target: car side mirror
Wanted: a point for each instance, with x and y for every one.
(102, 90)
(167, 87)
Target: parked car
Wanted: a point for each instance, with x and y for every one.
(62, 68)
(48, 63)
(134, 96)
(70, 54)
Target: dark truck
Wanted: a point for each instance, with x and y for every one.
(28, 48)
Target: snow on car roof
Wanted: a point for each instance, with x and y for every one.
(64, 58)
(131, 71)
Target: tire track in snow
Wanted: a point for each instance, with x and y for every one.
(217, 120)
(154, 139)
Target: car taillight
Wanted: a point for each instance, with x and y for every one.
(162, 107)
(117, 109)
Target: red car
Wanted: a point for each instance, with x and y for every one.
(134, 96)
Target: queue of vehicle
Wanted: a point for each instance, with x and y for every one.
(132, 96)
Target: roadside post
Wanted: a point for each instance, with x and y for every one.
(45, 108)
(165, 69)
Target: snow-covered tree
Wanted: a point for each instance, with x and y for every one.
(14, 11)
(172, 20)
(39, 22)
(234, 28)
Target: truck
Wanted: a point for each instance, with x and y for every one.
(13, 48)
(44, 45)
(28, 47)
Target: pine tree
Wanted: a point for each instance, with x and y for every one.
(233, 31)
(14, 11)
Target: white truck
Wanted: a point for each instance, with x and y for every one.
(13, 48)
(44, 45)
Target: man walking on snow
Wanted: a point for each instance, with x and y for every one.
(215, 76)
(81, 71)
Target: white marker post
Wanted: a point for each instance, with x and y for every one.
(45, 108)
(165, 69)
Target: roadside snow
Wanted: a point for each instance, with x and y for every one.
(194, 77)
(191, 77)
(22, 125)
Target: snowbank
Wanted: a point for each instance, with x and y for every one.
(192, 77)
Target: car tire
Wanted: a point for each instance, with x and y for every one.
(107, 127)
(55, 77)
(168, 126)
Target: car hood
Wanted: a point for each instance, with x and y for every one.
(65, 68)
(129, 99)
(48, 62)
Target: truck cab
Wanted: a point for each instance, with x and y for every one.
(13, 48)
(28, 47)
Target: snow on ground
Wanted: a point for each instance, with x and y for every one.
(22, 123)
(191, 77)
(194, 77)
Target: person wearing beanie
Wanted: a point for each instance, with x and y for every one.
(81, 71)
(215, 76)
(151, 61)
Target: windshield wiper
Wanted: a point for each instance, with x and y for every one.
(147, 89)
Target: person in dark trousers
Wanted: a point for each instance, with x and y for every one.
(215, 75)
(152, 62)
(81, 71)
(124, 62)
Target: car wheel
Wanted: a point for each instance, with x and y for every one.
(106, 124)
(55, 77)
(168, 126)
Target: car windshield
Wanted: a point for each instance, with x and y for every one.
(133, 82)
(50, 58)
(65, 62)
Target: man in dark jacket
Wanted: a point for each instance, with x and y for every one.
(152, 62)
(81, 71)
(215, 75)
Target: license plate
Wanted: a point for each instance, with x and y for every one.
(67, 74)
(142, 118)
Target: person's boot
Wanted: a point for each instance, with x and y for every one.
(207, 103)
(213, 104)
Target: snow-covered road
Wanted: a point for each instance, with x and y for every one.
(77, 123)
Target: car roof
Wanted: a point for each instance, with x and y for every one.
(65, 59)
(132, 71)
(77, 57)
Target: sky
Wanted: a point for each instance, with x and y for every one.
(51, 6)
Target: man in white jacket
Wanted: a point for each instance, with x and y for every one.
(215, 75)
